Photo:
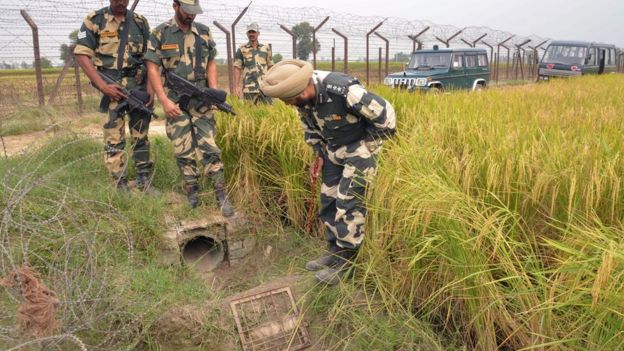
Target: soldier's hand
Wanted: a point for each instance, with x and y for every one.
(172, 110)
(150, 102)
(113, 91)
(315, 168)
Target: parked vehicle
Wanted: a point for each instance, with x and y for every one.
(443, 69)
(575, 58)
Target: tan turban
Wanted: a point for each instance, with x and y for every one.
(286, 79)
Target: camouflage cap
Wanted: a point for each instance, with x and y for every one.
(191, 7)
(253, 27)
(286, 79)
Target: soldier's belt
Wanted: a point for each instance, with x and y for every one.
(126, 72)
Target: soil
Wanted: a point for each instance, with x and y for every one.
(14, 144)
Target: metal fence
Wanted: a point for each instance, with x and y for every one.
(36, 31)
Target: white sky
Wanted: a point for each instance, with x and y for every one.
(590, 20)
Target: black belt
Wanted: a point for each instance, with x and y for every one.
(125, 72)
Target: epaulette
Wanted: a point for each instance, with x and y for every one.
(338, 83)
(202, 27)
(139, 18)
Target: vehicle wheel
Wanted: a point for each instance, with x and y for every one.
(436, 89)
(479, 87)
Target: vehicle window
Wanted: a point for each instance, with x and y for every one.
(471, 61)
(426, 61)
(565, 54)
(458, 61)
(482, 61)
(593, 60)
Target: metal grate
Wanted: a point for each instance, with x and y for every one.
(269, 321)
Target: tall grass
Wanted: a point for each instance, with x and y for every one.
(496, 217)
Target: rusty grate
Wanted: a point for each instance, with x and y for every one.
(269, 321)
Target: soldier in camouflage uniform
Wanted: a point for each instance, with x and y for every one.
(186, 48)
(98, 48)
(254, 60)
(345, 125)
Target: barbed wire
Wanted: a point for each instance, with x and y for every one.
(56, 19)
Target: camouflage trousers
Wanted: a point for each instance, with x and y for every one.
(257, 98)
(115, 142)
(194, 133)
(346, 173)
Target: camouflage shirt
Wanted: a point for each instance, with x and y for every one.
(254, 63)
(344, 112)
(172, 49)
(100, 34)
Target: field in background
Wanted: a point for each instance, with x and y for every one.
(495, 223)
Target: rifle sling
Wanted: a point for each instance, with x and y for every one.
(198, 60)
(122, 44)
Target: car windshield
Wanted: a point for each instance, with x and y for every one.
(565, 54)
(430, 60)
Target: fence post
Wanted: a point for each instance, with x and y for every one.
(387, 49)
(447, 42)
(314, 30)
(367, 50)
(68, 62)
(521, 52)
(78, 85)
(416, 40)
(38, 73)
(346, 50)
(502, 43)
(234, 27)
(230, 63)
(334, 57)
(294, 39)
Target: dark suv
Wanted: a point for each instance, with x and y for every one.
(443, 69)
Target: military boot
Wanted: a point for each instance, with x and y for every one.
(327, 260)
(144, 184)
(121, 184)
(192, 194)
(222, 200)
(341, 268)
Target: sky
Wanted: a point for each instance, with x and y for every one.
(595, 20)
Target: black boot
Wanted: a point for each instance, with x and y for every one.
(144, 184)
(341, 268)
(192, 194)
(327, 260)
(121, 184)
(222, 201)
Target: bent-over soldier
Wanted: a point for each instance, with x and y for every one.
(186, 48)
(254, 60)
(113, 40)
(345, 125)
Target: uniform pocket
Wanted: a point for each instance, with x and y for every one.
(135, 44)
(108, 45)
(335, 121)
(170, 58)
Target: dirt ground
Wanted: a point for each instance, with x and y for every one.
(14, 144)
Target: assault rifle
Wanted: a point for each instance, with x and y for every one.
(208, 97)
(135, 99)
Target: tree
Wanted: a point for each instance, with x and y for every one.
(24, 65)
(402, 57)
(277, 58)
(303, 34)
(73, 39)
(45, 63)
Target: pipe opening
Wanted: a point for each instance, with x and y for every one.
(203, 253)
